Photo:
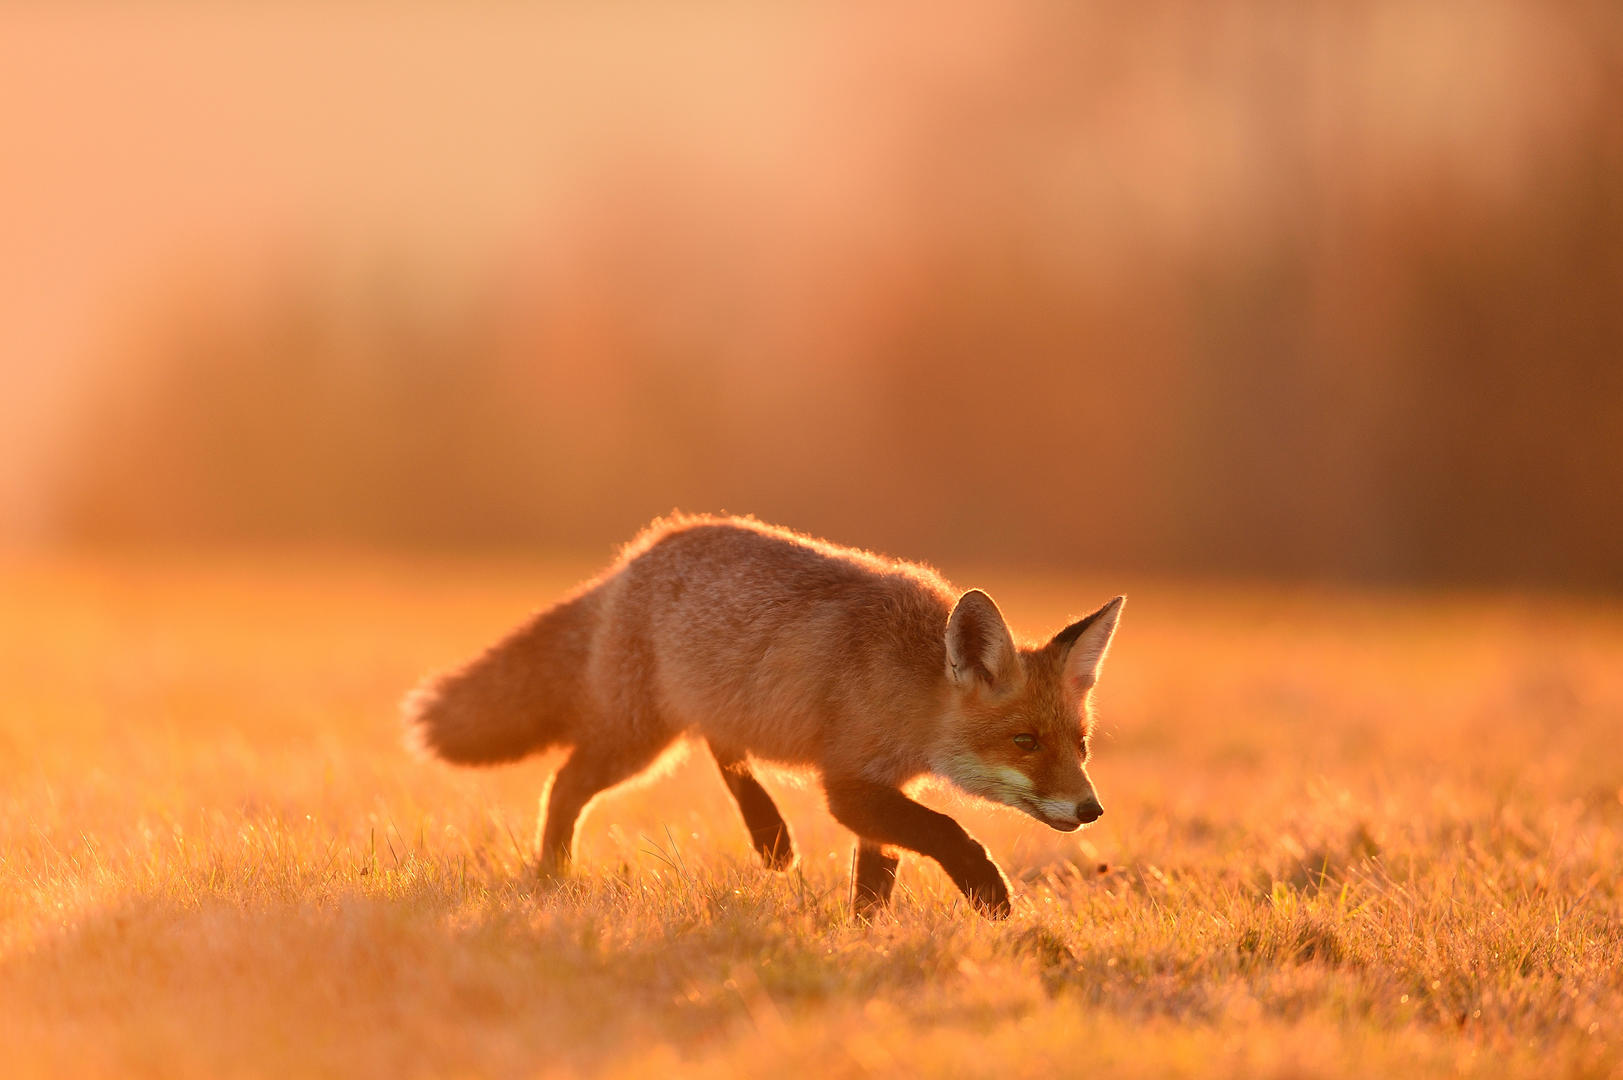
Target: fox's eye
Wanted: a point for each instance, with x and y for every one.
(1026, 741)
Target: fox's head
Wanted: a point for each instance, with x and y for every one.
(1021, 717)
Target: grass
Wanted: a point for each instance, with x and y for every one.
(1347, 834)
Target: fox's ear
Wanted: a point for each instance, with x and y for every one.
(1086, 641)
(979, 645)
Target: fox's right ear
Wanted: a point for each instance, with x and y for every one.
(979, 645)
(1085, 643)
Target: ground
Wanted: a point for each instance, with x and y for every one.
(1347, 834)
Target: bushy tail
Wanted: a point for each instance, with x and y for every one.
(519, 697)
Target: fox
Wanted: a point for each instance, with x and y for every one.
(773, 647)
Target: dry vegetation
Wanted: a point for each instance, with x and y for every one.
(1347, 835)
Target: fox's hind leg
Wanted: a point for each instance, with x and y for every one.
(768, 831)
(590, 771)
(873, 876)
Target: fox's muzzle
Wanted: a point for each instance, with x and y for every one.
(1064, 817)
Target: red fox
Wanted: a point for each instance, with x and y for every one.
(774, 646)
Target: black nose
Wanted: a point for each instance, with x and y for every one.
(1089, 811)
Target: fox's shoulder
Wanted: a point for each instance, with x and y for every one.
(723, 529)
(695, 527)
(746, 539)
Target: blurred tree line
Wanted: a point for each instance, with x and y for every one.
(1317, 344)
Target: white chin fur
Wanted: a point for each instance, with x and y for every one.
(1058, 814)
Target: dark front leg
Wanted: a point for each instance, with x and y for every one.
(873, 876)
(883, 815)
(769, 833)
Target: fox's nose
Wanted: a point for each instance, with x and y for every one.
(1089, 810)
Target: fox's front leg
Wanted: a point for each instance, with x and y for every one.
(873, 876)
(883, 815)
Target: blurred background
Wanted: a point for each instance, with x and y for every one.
(1303, 291)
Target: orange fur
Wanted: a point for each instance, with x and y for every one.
(775, 646)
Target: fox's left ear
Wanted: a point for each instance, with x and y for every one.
(1086, 641)
(979, 645)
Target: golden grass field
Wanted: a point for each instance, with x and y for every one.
(1348, 834)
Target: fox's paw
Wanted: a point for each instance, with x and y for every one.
(989, 894)
(867, 906)
(550, 872)
(777, 851)
(995, 905)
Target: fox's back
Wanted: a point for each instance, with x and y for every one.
(768, 642)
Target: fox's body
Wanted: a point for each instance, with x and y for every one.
(776, 647)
